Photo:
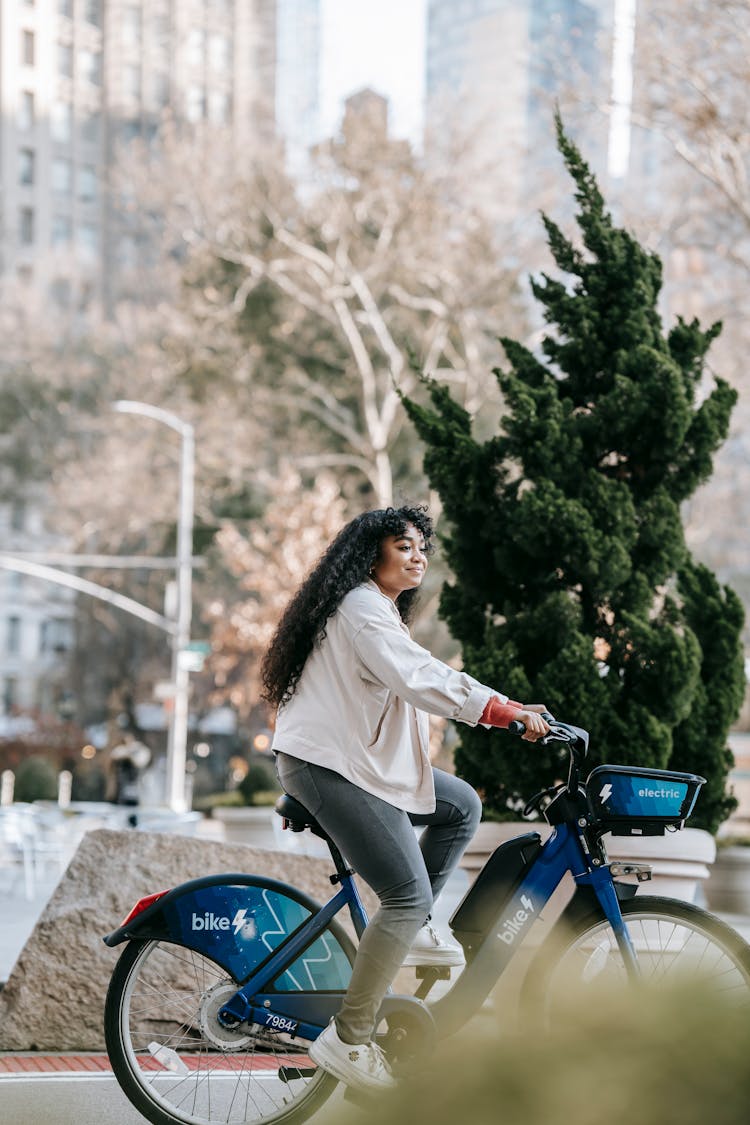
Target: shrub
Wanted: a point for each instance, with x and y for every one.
(36, 780)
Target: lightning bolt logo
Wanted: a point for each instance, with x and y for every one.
(606, 793)
(240, 922)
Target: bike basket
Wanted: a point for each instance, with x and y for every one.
(629, 801)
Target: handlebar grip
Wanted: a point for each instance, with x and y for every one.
(517, 727)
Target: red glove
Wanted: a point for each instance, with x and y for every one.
(497, 714)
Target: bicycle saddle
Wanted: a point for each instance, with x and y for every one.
(296, 815)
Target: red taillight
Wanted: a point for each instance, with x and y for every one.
(141, 905)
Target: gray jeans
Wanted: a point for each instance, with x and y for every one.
(407, 875)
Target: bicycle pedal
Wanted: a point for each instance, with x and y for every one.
(287, 1074)
(363, 1099)
(432, 972)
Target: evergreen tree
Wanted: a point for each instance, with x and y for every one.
(573, 584)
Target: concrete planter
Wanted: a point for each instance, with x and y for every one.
(250, 824)
(728, 889)
(680, 861)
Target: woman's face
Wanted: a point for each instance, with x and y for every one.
(401, 562)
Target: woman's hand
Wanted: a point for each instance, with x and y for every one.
(531, 717)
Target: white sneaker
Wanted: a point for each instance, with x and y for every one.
(428, 948)
(361, 1065)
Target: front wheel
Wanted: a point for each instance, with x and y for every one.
(179, 1066)
(673, 941)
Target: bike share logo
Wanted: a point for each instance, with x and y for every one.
(511, 927)
(242, 925)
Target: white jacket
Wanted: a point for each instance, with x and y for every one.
(360, 706)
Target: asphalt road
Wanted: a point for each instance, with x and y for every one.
(71, 1100)
(83, 1100)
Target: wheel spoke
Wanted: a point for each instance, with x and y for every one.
(170, 998)
(672, 940)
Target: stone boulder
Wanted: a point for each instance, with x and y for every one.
(54, 997)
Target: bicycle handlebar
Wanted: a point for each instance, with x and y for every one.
(576, 739)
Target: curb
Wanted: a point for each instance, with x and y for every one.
(36, 1065)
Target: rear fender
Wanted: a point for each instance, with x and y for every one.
(238, 921)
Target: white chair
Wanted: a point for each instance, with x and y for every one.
(17, 835)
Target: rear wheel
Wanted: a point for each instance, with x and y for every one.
(673, 941)
(179, 1066)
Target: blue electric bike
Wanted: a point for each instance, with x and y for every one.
(225, 980)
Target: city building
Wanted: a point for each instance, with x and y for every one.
(79, 79)
(298, 58)
(36, 624)
(498, 67)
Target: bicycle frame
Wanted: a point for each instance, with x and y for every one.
(565, 851)
(306, 1013)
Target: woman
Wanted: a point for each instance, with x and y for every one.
(351, 742)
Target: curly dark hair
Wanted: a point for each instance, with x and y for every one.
(345, 564)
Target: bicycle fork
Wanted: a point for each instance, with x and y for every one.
(603, 885)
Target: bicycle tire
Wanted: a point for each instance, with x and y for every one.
(158, 997)
(673, 940)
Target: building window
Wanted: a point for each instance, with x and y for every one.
(196, 46)
(130, 131)
(88, 239)
(88, 184)
(62, 122)
(65, 60)
(27, 48)
(62, 176)
(61, 292)
(131, 26)
(62, 230)
(195, 103)
(26, 226)
(219, 107)
(10, 694)
(161, 89)
(92, 12)
(13, 635)
(90, 128)
(26, 111)
(132, 82)
(55, 635)
(26, 166)
(18, 512)
(219, 52)
(90, 63)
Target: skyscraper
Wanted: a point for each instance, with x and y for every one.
(78, 79)
(298, 51)
(498, 66)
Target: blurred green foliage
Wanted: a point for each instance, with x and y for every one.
(36, 780)
(645, 1057)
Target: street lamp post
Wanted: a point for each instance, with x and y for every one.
(178, 726)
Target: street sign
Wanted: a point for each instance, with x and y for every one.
(193, 656)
